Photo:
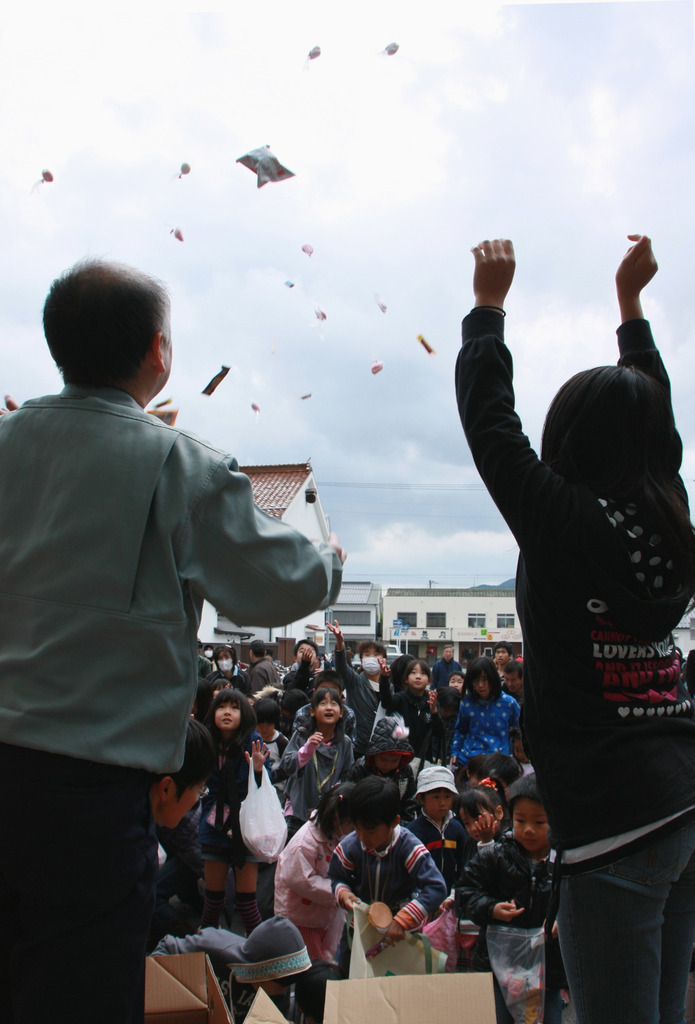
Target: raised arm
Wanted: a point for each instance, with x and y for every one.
(637, 267)
(494, 272)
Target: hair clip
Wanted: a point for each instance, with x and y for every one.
(488, 783)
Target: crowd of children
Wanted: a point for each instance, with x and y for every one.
(390, 824)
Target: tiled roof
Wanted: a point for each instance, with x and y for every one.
(275, 487)
(439, 592)
(355, 593)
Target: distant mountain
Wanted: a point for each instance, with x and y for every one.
(507, 585)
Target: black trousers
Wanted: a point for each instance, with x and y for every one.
(77, 874)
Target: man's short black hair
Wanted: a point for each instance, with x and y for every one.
(502, 645)
(100, 319)
(374, 801)
(258, 648)
(309, 643)
(198, 758)
(514, 666)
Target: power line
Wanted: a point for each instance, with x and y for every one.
(396, 487)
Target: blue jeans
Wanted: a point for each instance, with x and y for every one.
(626, 934)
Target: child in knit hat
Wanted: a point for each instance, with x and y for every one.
(388, 755)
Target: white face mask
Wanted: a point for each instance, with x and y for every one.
(224, 665)
(208, 652)
(371, 666)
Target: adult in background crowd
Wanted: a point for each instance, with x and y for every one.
(513, 680)
(442, 669)
(261, 672)
(138, 522)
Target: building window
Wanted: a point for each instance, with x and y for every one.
(436, 620)
(354, 618)
(476, 621)
(505, 622)
(408, 618)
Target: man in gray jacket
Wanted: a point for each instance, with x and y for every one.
(120, 529)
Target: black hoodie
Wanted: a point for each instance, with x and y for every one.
(608, 726)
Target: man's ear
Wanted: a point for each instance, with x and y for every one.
(155, 353)
(163, 791)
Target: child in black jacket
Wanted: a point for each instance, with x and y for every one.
(417, 706)
(508, 882)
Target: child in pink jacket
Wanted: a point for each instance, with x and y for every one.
(302, 890)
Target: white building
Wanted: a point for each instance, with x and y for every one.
(288, 492)
(425, 621)
(357, 610)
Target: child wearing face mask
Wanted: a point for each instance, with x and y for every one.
(228, 672)
(417, 705)
(361, 689)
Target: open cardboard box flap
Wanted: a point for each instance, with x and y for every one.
(465, 998)
(183, 989)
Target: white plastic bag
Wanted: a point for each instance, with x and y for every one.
(517, 958)
(262, 823)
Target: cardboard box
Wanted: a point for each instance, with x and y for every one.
(464, 998)
(183, 989)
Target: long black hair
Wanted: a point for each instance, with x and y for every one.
(235, 744)
(475, 670)
(612, 429)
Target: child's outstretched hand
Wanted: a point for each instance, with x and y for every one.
(259, 753)
(315, 738)
(506, 911)
(487, 826)
(384, 668)
(396, 933)
(337, 633)
(637, 267)
(494, 271)
(432, 701)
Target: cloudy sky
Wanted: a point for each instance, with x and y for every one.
(562, 126)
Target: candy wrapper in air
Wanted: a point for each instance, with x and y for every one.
(265, 165)
(216, 380)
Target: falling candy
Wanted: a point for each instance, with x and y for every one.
(46, 178)
(177, 233)
(167, 416)
(377, 366)
(382, 305)
(266, 166)
(256, 407)
(389, 50)
(185, 169)
(304, 397)
(320, 315)
(426, 345)
(314, 52)
(308, 249)
(216, 380)
(289, 284)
